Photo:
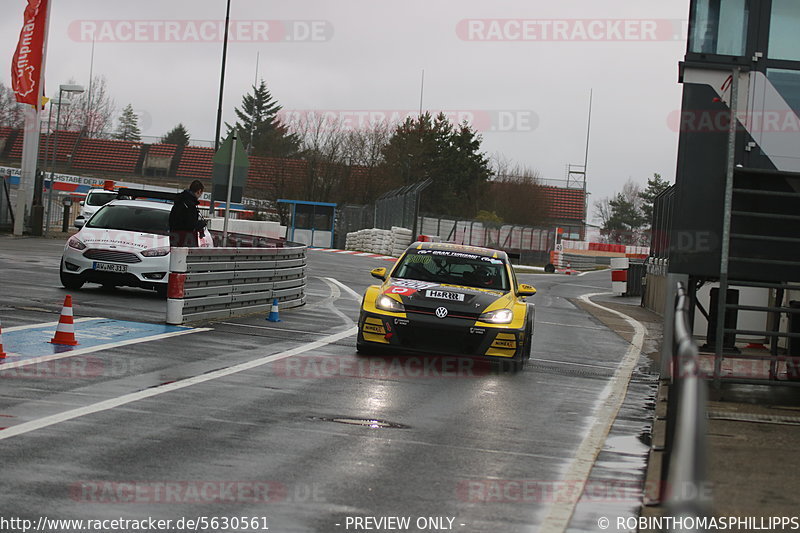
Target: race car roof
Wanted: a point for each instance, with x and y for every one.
(453, 247)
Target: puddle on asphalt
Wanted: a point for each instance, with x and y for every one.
(372, 423)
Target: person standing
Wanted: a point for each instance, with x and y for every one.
(185, 222)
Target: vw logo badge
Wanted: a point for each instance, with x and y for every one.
(441, 312)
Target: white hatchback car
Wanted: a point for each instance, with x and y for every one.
(95, 199)
(125, 243)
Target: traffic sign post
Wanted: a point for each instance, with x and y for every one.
(229, 175)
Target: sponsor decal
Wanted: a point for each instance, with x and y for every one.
(477, 331)
(402, 291)
(445, 295)
(413, 284)
(448, 253)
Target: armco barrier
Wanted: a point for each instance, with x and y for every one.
(206, 283)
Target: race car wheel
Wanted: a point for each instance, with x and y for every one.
(527, 342)
(72, 282)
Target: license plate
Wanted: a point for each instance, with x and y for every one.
(445, 295)
(110, 267)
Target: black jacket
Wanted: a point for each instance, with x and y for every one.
(184, 215)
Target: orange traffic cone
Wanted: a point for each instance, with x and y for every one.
(65, 332)
(2, 353)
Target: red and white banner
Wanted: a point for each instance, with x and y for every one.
(26, 65)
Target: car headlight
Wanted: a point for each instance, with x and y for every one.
(385, 303)
(498, 316)
(156, 252)
(76, 243)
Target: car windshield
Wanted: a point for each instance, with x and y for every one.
(131, 218)
(453, 267)
(100, 198)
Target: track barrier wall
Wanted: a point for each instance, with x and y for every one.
(212, 283)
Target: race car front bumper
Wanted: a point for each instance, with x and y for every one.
(450, 336)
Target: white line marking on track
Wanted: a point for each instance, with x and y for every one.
(610, 401)
(33, 425)
(270, 328)
(569, 363)
(347, 289)
(44, 324)
(90, 349)
(568, 325)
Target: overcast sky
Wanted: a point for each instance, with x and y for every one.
(523, 69)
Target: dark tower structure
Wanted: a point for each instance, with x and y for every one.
(735, 212)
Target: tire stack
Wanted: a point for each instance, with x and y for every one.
(382, 242)
(375, 241)
(401, 239)
(352, 240)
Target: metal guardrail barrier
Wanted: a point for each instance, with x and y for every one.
(687, 484)
(207, 283)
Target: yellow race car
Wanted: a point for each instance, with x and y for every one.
(449, 299)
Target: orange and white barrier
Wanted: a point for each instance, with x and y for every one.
(619, 274)
(65, 331)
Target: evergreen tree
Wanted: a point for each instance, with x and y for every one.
(655, 186)
(624, 220)
(259, 127)
(177, 135)
(431, 148)
(128, 128)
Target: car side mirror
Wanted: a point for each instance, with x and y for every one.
(83, 203)
(79, 222)
(379, 273)
(523, 289)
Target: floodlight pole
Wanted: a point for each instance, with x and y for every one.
(221, 89)
(230, 188)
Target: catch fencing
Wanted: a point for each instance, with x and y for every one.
(399, 207)
(211, 283)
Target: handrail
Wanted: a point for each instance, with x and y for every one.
(688, 486)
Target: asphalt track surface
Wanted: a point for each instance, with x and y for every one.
(267, 420)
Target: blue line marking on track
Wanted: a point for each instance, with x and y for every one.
(35, 342)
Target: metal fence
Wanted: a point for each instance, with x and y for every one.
(350, 218)
(662, 222)
(6, 211)
(400, 207)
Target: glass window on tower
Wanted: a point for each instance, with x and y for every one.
(719, 27)
(787, 83)
(784, 39)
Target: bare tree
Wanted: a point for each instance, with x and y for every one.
(514, 195)
(91, 111)
(322, 146)
(364, 155)
(11, 112)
